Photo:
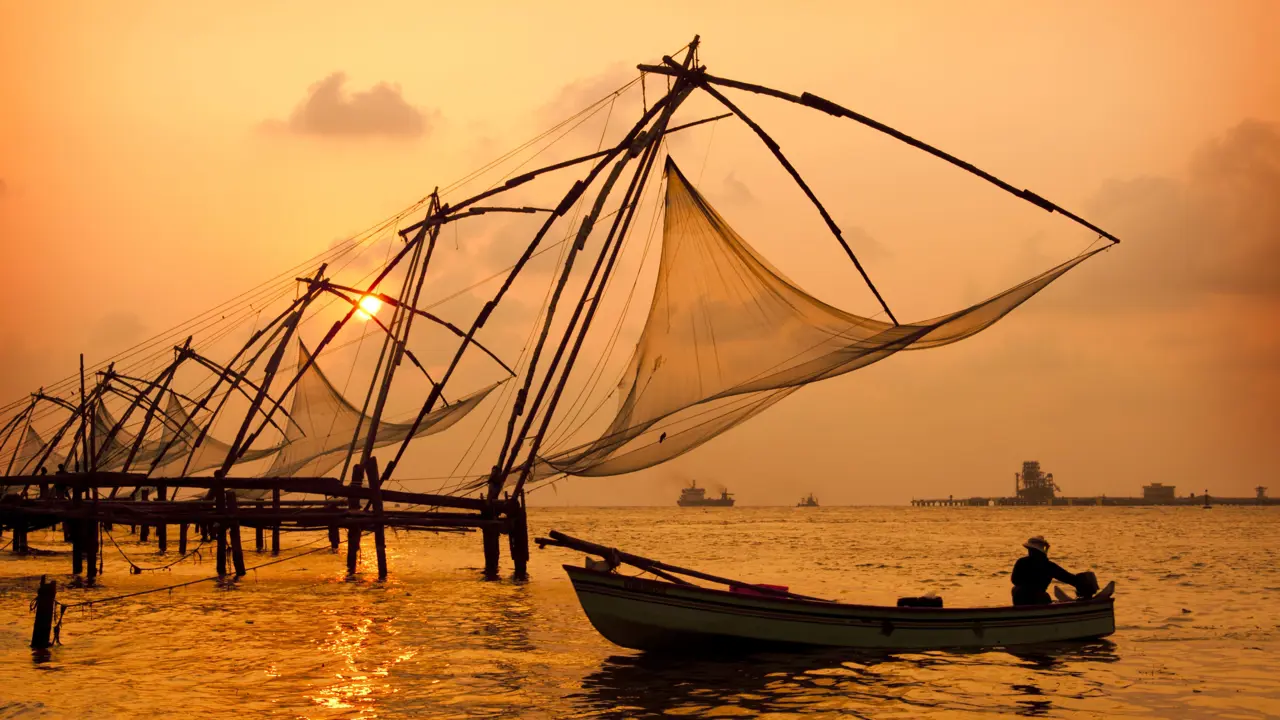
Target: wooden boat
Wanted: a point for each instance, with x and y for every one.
(672, 614)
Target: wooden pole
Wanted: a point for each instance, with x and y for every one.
(608, 252)
(353, 531)
(90, 541)
(144, 531)
(46, 603)
(275, 529)
(379, 530)
(182, 538)
(566, 203)
(220, 502)
(519, 538)
(492, 550)
(162, 530)
(237, 554)
(77, 537)
(656, 566)
(826, 106)
(795, 175)
(85, 425)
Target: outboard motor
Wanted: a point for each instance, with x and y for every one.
(1086, 585)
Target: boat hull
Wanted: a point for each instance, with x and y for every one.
(649, 615)
(705, 503)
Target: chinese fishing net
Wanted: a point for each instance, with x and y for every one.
(322, 424)
(727, 336)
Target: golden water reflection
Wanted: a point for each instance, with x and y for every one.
(632, 686)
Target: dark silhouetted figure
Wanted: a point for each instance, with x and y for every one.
(1033, 573)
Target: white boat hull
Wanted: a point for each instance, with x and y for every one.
(651, 615)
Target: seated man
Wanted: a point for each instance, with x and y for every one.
(1033, 573)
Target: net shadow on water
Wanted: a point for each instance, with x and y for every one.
(848, 683)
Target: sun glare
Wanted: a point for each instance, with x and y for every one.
(369, 306)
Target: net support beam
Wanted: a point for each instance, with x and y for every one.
(818, 103)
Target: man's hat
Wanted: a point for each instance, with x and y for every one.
(1037, 543)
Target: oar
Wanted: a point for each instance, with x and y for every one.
(559, 539)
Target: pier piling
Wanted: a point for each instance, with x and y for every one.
(162, 530)
(490, 539)
(237, 554)
(144, 531)
(519, 538)
(46, 602)
(353, 531)
(220, 504)
(275, 529)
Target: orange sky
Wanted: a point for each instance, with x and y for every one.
(154, 161)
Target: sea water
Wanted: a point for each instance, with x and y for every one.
(1197, 614)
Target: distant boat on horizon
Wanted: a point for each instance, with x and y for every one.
(694, 496)
(810, 501)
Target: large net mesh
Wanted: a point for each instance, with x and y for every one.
(322, 424)
(112, 449)
(26, 459)
(211, 452)
(727, 336)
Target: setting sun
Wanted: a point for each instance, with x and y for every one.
(369, 306)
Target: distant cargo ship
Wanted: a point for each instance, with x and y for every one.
(694, 496)
(810, 501)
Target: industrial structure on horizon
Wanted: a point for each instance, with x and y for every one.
(1034, 487)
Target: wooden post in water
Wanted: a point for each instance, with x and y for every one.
(353, 531)
(490, 538)
(162, 530)
(182, 539)
(379, 530)
(259, 542)
(275, 528)
(72, 528)
(237, 554)
(144, 531)
(90, 540)
(335, 538)
(519, 537)
(220, 505)
(19, 537)
(46, 602)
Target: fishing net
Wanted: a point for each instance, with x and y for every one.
(25, 461)
(322, 424)
(211, 452)
(112, 450)
(727, 336)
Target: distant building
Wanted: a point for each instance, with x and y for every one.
(1158, 492)
(1033, 487)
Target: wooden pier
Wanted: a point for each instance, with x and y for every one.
(86, 504)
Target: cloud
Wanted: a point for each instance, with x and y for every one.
(1215, 232)
(381, 111)
(581, 93)
(736, 192)
(863, 244)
